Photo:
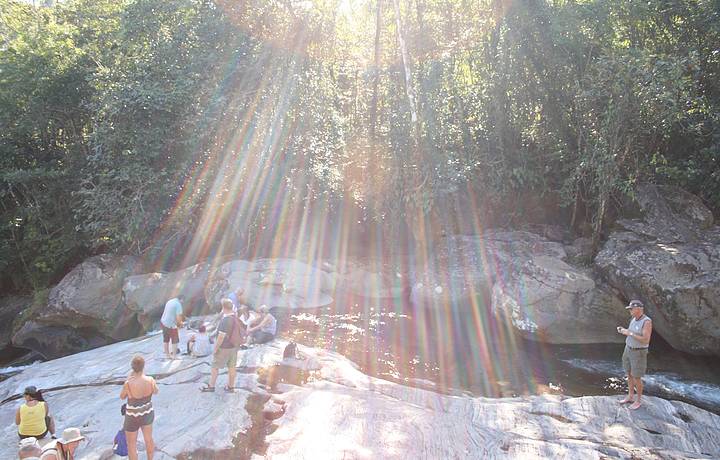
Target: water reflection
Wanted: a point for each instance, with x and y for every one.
(450, 354)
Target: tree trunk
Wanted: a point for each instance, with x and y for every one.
(376, 76)
(409, 91)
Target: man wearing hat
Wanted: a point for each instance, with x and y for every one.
(63, 448)
(634, 357)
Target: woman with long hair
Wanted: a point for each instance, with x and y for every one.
(33, 416)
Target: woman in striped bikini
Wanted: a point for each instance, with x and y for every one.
(139, 414)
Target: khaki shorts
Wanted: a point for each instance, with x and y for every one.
(225, 357)
(635, 361)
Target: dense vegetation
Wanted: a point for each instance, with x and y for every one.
(175, 129)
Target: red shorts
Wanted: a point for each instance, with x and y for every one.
(170, 334)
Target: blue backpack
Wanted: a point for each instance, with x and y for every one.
(120, 444)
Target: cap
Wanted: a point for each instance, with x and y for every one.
(31, 390)
(634, 303)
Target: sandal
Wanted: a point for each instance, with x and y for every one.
(229, 390)
(207, 389)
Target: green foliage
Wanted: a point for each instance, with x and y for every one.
(174, 129)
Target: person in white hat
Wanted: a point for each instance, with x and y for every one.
(29, 449)
(63, 448)
(634, 357)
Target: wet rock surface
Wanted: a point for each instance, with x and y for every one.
(343, 413)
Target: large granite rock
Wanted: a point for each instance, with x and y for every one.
(678, 282)
(90, 298)
(147, 294)
(527, 281)
(667, 214)
(278, 283)
(10, 309)
(343, 413)
(55, 341)
(372, 279)
(668, 255)
(547, 299)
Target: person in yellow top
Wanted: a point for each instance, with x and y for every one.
(33, 417)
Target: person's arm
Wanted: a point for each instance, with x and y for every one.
(265, 319)
(155, 388)
(219, 341)
(644, 337)
(47, 409)
(124, 391)
(17, 417)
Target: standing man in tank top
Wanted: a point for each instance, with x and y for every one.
(634, 357)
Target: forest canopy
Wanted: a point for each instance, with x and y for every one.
(174, 129)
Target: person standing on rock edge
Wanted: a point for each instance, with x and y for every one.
(634, 357)
(139, 412)
(171, 320)
(230, 330)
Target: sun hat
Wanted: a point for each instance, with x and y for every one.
(634, 303)
(70, 435)
(264, 308)
(31, 441)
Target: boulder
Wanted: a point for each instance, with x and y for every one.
(528, 283)
(678, 282)
(10, 308)
(90, 297)
(147, 294)
(56, 341)
(547, 299)
(666, 214)
(277, 283)
(372, 279)
(344, 413)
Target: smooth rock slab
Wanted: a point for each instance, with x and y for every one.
(344, 413)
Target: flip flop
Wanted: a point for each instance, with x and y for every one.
(228, 389)
(207, 389)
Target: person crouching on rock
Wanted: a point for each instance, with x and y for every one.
(170, 321)
(33, 417)
(634, 356)
(139, 413)
(264, 329)
(199, 344)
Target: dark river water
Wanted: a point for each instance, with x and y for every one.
(471, 354)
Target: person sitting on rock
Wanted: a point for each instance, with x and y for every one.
(170, 321)
(29, 449)
(33, 416)
(199, 344)
(65, 447)
(265, 329)
(247, 317)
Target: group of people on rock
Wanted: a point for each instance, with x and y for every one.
(239, 327)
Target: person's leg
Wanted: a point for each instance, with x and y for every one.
(627, 368)
(131, 438)
(149, 443)
(232, 368)
(166, 341)
(213, 377)
(639, 390)
(174, 340)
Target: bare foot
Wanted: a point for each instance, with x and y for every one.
(628, 399)
(635, 406)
